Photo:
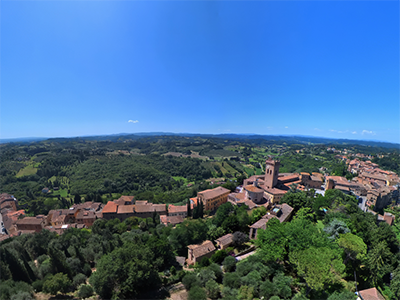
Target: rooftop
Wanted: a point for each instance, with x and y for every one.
(225, 240)
(202, 249)
(212, 193)
(110, 207)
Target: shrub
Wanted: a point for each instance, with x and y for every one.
(78, 280)
(190, 280)
(197, 293)
(229, 264)
(85, 291)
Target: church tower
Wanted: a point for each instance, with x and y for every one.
(271, 173)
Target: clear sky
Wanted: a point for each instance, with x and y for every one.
(319, 68)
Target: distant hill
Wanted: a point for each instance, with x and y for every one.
(281, 138)
(23, 140)
(290, 139)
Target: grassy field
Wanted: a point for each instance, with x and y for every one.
(185, 181)
(28, 170)
(249, 171)
(61, 192)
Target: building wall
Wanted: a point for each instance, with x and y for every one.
(214, 203)
(254, 196)
(192, 260)
(271, 173)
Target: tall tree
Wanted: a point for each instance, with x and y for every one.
(189, 210)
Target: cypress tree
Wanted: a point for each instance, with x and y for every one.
(189, 210)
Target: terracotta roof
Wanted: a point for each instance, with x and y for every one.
(371, 294)
(225, 240)
(127, 198)
(177, 209)
(288, 184)
(193, 201)
(30, 220)
(250, 204)
(253, 189)
(159, 207)
(144, 208)
(288, 178)
(110, 207)
(210, 194)
(126, 209)
(166, 220)
(389, 218)
(119, 202)
(202, 249)
(261, 223)
(6, 197)
(316, 178)
(180, 260)
(141, 202)
(280, 211)
(86, 214)
(275, 191)
(238, 196)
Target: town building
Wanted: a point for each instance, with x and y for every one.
(213, 198)
(8, 201)
(224, 241)
(109, 211)
(171, 220)
(31, 224)
(197, 252)
(370, 294)
(174, 210)
(281, 212)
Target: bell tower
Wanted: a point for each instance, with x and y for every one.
(271, 173)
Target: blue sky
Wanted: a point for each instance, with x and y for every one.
(319, 68)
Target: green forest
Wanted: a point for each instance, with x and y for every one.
(327, 250)
(317, 255)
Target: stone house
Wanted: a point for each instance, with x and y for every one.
(197, 252)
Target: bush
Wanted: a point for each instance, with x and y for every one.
(57, 283)
(232, 280)
(22, 296)
(217, 271)
(78, 280)
(212, 289)
(205, 262)
(229, 264)
(190, 280)
(38, 285)
(239, 238)
(197, 293)
(85, 291)
(219, 256)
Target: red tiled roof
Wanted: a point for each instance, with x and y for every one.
(202, 249)
(253, 189)
(371, 294)
(30, 220)
(275, 191)
(288, 178)
(126, 209)
(225, 240)
(177, 209)
(212, 193)
(144, 208)
(141, 202)
(110, 207)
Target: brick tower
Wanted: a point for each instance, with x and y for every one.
(271, 173)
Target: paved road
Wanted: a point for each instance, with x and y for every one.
(239, 258)
(362, 203)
